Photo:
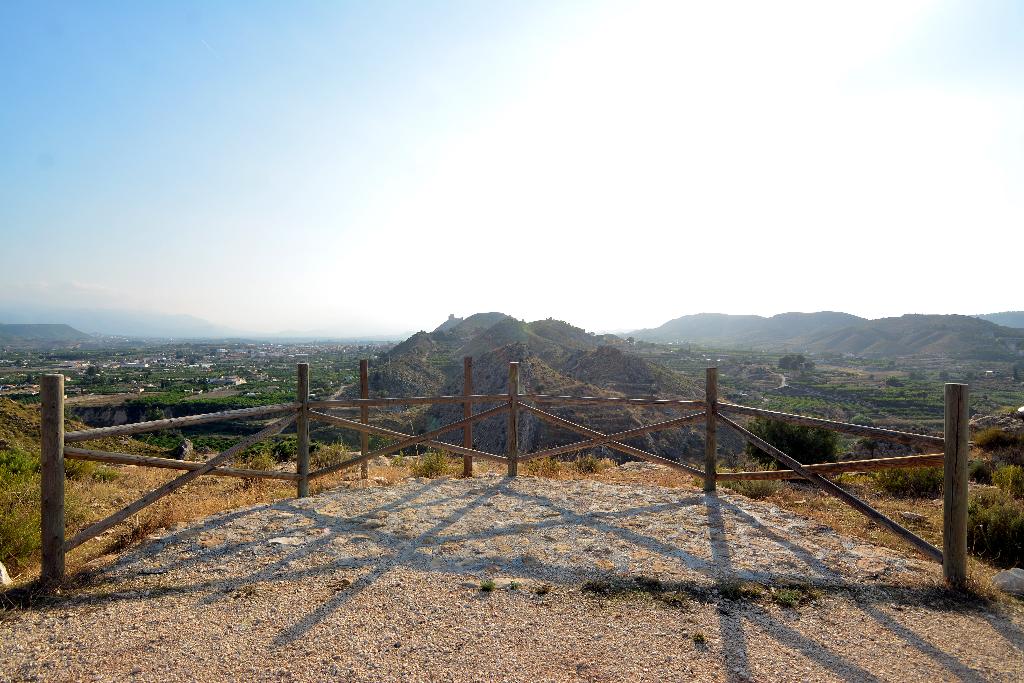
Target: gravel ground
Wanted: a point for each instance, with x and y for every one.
(592, 582)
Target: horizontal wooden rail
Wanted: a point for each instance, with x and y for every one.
(415, 400)
(901, 462)
(922, 546)
(175, 422)
(606, 400)
(411, 441)
(99, 527)
(618, 436)
(621, 447)
(908, 438)
(383, 431)
(171, 464)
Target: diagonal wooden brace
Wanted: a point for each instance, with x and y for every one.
(405, 443)
(621, 447)
(619, 436)
(921, 545)
(99, 527)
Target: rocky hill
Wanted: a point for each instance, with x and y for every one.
(555, 357)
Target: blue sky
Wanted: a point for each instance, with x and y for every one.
(371, 167)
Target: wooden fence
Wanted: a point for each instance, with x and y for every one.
(952, 450)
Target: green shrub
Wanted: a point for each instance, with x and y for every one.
(262, 460)
(757, 489)
(19, 517)
(325, 456)
(995, 529)
(591, 464)
(106, 474)
(993, 438)
(916, 482)
(431, 464)
(980, 471)
(79, 469)
(16, 461)
(808, 445)
(543, 467)
(1010, 478)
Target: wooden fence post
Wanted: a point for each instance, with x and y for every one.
(302, 428)
(513, 419)
(710, 427)
(52, 480)
(467, 412)
(364, 416)
(954, 509)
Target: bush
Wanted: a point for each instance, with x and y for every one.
(79, 469)
(808, 445)
(980, 471)
(432, 464)
(543, 467)
(995, 529)
(19, 517)
(916, 482)
(16, 461)
(1010, 478)
(327, 455)
(757, 488)
(994, 439)
(260, 461)
(591, 464)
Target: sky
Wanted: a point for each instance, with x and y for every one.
(371, 167)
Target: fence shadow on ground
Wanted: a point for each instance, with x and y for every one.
(179, 555)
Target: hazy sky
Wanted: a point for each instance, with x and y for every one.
(372, 167)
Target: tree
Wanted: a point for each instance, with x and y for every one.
(807, 445)
(795, 361)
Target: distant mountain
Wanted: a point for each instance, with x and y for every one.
(954, 336)
(1006, 318)
(122, 322)
(150, 325)
(746, 330)
(20, 333)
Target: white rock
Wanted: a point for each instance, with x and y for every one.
(1010, 581)
(5, 578)
(286, 540)
(912, 516)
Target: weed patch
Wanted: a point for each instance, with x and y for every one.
(756, 489)
(915, 482)
(640, 588)
(995, 529)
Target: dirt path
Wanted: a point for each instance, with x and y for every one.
(592, 581)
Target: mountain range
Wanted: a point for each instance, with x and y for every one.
(992, 336)
(954, 336)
